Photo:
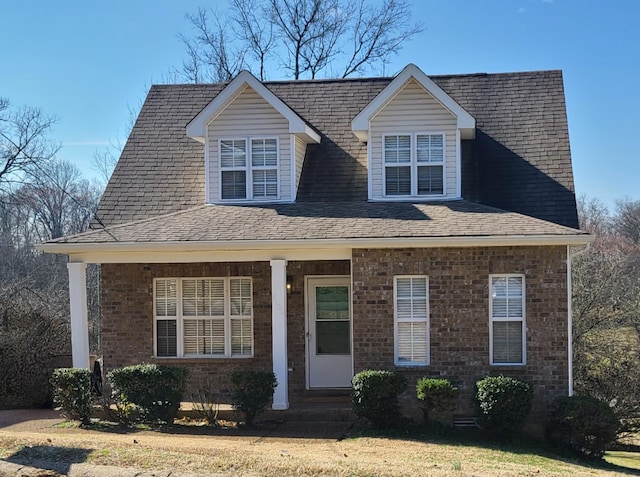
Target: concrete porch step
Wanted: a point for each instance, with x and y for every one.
(325, 396)
(311, 406)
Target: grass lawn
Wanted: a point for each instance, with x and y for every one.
(269, 451)
(630, 460)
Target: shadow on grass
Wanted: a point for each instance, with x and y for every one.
(408, 431)
(283, 429)
(471, 437)
(58, 459)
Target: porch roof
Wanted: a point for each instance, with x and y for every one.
(324, 221)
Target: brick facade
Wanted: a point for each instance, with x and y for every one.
(459, 316)
(127, 322)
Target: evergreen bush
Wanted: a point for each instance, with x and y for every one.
(436, 394)
(251, 392)
(72, 393)
(583, 425)
(504, 403)
(154, 390)
(375, 396)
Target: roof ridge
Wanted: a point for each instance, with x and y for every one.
(363, 79)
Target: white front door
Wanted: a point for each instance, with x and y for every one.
(329, 360)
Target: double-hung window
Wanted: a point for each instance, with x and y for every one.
(249, 168)
(411, 306)
(203, 317)
(507, 319)
(413, 164)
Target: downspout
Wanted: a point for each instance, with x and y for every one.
(570, 256)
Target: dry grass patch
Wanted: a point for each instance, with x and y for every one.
(265, 453)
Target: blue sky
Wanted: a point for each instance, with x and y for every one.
(87, 63)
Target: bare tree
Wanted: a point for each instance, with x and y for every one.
(376, 34)
(627, 221)
(606, 304)
(309, 30)
(257, 35)
(23, 142)
(41, 198)
(211, 54)
(62, 203)
(104, 161)
(307, 38)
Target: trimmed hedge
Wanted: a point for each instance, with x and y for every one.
(583, 425)
(504, 403)
(436, 394)
(251, 392)
(72, 392)
(375, 396)
(154, 390)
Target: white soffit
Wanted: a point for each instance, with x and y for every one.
(165, 250)
(466, 123)
(196, 129)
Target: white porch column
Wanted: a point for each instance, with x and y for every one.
(78, 307)
(279, 332)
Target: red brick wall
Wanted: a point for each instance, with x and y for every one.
(459, 313)
(459, 304)
(127, 323)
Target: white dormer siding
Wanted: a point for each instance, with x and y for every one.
(249, 116)
(413, 111)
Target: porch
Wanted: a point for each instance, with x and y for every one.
(284, 337)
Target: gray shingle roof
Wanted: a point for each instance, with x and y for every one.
(520, 160)
(325, 220)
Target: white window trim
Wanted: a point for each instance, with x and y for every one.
(414, 165)
(523, 319)
(395, 324)
(248, 170)
(179, 318)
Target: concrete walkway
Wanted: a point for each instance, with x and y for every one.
(57, 469)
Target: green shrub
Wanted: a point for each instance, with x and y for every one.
(72, 392)
(504, 403)
(154, 390)
(251, 392)
(583, 425)
(436, 394)
(375, 396)
(116, 407)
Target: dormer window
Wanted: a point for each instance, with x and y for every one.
(414, 164)
(249, 168)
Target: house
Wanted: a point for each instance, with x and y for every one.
(318, 228)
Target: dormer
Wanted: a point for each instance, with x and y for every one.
(254, 144)
(413, 130)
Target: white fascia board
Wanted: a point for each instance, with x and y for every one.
(196, 128)
(465, 122)
(252, 249)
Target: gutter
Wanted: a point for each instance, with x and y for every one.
(571, 256)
